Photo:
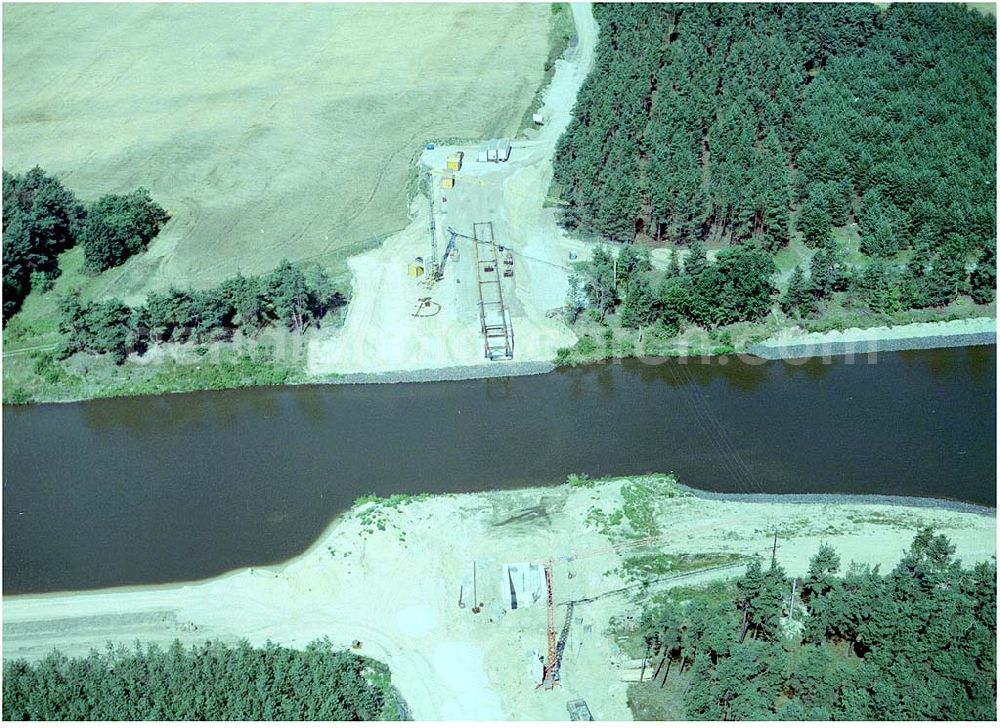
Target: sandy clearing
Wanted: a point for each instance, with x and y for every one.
(382, 335)
(416, 620)
(460, 666)
(398, 591)
(267, 130)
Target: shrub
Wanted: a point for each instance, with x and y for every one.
(119, 226)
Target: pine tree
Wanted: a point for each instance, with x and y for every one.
(814, 223)
(818, 594)
(641, 305)
(696, 261)
(749, 589)
(947, 273)
(825, 272)
(983, 279)
(877, 288)
(798, 299)
(771, 603)
(674, 269)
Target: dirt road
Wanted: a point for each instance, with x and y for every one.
(381, 334)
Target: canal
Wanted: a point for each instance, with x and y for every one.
(187, 486)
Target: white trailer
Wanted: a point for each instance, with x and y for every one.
(491, 150)
(503, 150)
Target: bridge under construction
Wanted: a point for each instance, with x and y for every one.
(494, 320)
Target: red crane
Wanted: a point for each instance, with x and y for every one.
(550, 670)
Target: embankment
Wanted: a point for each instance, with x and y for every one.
(797, 344)
(449, 374)
(837, 499)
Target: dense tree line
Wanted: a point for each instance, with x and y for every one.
(716, 120)
(736, 286)
(903, 135)
(291, 295)
(206, 682)
(930, 278)
(41, 219)
(918, 643)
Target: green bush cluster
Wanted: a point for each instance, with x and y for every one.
(736, 286)
(41, 219)
(119, 226)
(933, 277)
(245, 370)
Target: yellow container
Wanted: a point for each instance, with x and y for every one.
(448, 181)
(455, 161)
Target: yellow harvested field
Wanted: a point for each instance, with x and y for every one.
(267, 131)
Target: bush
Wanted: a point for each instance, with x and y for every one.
(17, 396)
(737, 287)
(97, 328)
(984, 278)
(41, 280)
(119, 226)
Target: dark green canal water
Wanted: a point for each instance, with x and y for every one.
(159, 489)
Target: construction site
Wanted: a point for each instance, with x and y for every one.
(485, 606)
(472, 266)
(467, 282)
(479, 276)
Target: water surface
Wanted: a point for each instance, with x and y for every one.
(187, 486)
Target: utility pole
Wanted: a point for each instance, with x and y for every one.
(774, 548)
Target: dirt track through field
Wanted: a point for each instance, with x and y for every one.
(267, 131)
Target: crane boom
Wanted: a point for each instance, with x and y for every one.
(432, 270)
(550, 670)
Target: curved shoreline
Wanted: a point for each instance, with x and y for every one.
(833, 499)
(853, 342)
(492, 370)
